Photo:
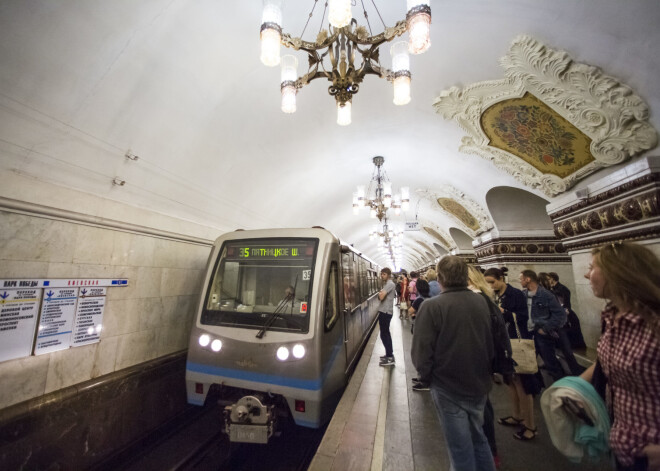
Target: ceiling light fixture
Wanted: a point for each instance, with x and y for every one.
(340, 44)
(378, 196)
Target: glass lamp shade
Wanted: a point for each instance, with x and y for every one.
(401, 89)
(289, 99)
(270, 47)
(419, 33)
(272, 12)
(289, 71)
(361, 196)
(400, 57)
(344, 114)
(339, 13)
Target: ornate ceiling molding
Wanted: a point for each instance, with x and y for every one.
(474, 210)
(605, 110)
(434, 233)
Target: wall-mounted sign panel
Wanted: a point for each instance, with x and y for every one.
(412, 226)
(62, 282)
(89, 316)
(18, 318)
(56, 322)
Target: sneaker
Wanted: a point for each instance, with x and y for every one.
(421, 387)
(387, 361)
(416, 380)
(385, 357)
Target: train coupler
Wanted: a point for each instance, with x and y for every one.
(249, 420)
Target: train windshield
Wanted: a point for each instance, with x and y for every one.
(262, 281)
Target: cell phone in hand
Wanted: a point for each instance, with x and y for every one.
(575, 408)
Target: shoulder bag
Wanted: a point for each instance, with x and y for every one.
(523, 353)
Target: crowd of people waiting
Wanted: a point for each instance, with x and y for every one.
(455, 349)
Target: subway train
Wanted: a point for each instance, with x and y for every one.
(282, 320)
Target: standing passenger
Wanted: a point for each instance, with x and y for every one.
(523, 387)
(385, 312)
(546, 319)
(434, 286)
(453, 349)
(628, 276)
(405, 296)
(572, 326)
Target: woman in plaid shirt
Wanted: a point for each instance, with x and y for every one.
(628, 275)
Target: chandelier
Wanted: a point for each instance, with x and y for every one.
(390, 241)
(340, 44)
(378, 196)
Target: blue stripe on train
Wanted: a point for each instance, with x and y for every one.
(309, 384)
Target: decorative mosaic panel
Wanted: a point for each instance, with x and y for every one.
(530, 129)
(457, 210)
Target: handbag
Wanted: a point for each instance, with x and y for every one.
(403, 306)
(523, 353)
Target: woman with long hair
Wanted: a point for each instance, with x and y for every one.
(628, 276)
(478, 284)
(522, 387)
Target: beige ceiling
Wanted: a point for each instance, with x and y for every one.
(180, 84)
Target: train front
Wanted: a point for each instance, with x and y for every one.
(253, 337)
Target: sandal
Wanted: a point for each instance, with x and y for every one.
(520, 434)
(510, 421)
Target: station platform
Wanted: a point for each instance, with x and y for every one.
(382, 424)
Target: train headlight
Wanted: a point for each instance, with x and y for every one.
(216, 345)
(204, 340)
(282, 353)
(298, 351)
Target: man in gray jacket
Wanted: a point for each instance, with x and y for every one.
(453, 350)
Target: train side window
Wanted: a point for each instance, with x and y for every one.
(331, 299)
(349, 280)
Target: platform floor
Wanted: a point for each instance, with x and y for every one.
(382, 424)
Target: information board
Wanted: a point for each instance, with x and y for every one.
(56, 322)
(89, 316)
(412, 226)
(18, 319)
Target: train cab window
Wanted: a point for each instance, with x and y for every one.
(331, 299)
(257, 279)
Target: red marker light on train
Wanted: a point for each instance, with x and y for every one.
(309, 251)
(300, 405)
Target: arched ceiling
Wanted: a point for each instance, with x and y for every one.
(515, 209)
(180, 85)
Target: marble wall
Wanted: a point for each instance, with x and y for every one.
(148, 319)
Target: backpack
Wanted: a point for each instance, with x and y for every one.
(397, 289)
(502, 361)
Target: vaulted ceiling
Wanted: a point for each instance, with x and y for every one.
(180, 84)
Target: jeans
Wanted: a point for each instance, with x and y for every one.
(384, 320)
(489, 427)
(564, 344)
(462, 418)
(545, 346)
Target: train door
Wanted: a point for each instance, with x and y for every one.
(349, 313)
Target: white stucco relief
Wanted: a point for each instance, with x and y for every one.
(607, 111)
(474, 208)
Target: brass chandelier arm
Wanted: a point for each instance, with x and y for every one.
(397, 30)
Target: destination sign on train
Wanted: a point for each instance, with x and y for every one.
(268, 252)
